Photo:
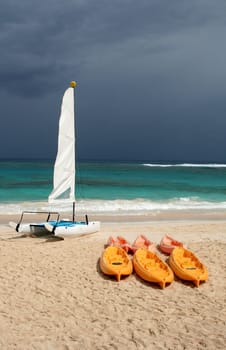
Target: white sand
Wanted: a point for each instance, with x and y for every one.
(53, 295)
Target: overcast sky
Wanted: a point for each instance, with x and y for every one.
(151, 78)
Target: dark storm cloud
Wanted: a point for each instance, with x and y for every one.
(155, 68)
(43, 39)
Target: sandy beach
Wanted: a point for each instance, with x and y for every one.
(53, 295)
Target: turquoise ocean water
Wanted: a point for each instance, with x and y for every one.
(110, 187)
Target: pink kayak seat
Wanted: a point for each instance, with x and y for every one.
(119, 242)
(143, 242)
(168, 243)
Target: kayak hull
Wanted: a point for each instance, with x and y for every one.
(186, 265)
(151, 268)
(114, 261)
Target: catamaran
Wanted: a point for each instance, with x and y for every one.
(63, 180)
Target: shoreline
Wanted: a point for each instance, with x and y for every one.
(155, 216)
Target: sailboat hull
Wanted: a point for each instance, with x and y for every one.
(29, 228)
(70, 229)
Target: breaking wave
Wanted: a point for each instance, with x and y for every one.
(115, 207)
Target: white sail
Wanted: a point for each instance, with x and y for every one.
(64, 168)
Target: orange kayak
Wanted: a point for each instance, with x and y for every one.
(187, 266)
(115, 261)
(151, 268)
(167, 244)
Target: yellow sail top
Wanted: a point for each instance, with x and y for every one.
(73, 84)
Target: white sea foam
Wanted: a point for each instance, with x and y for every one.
(207, 165)
(117, 207)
